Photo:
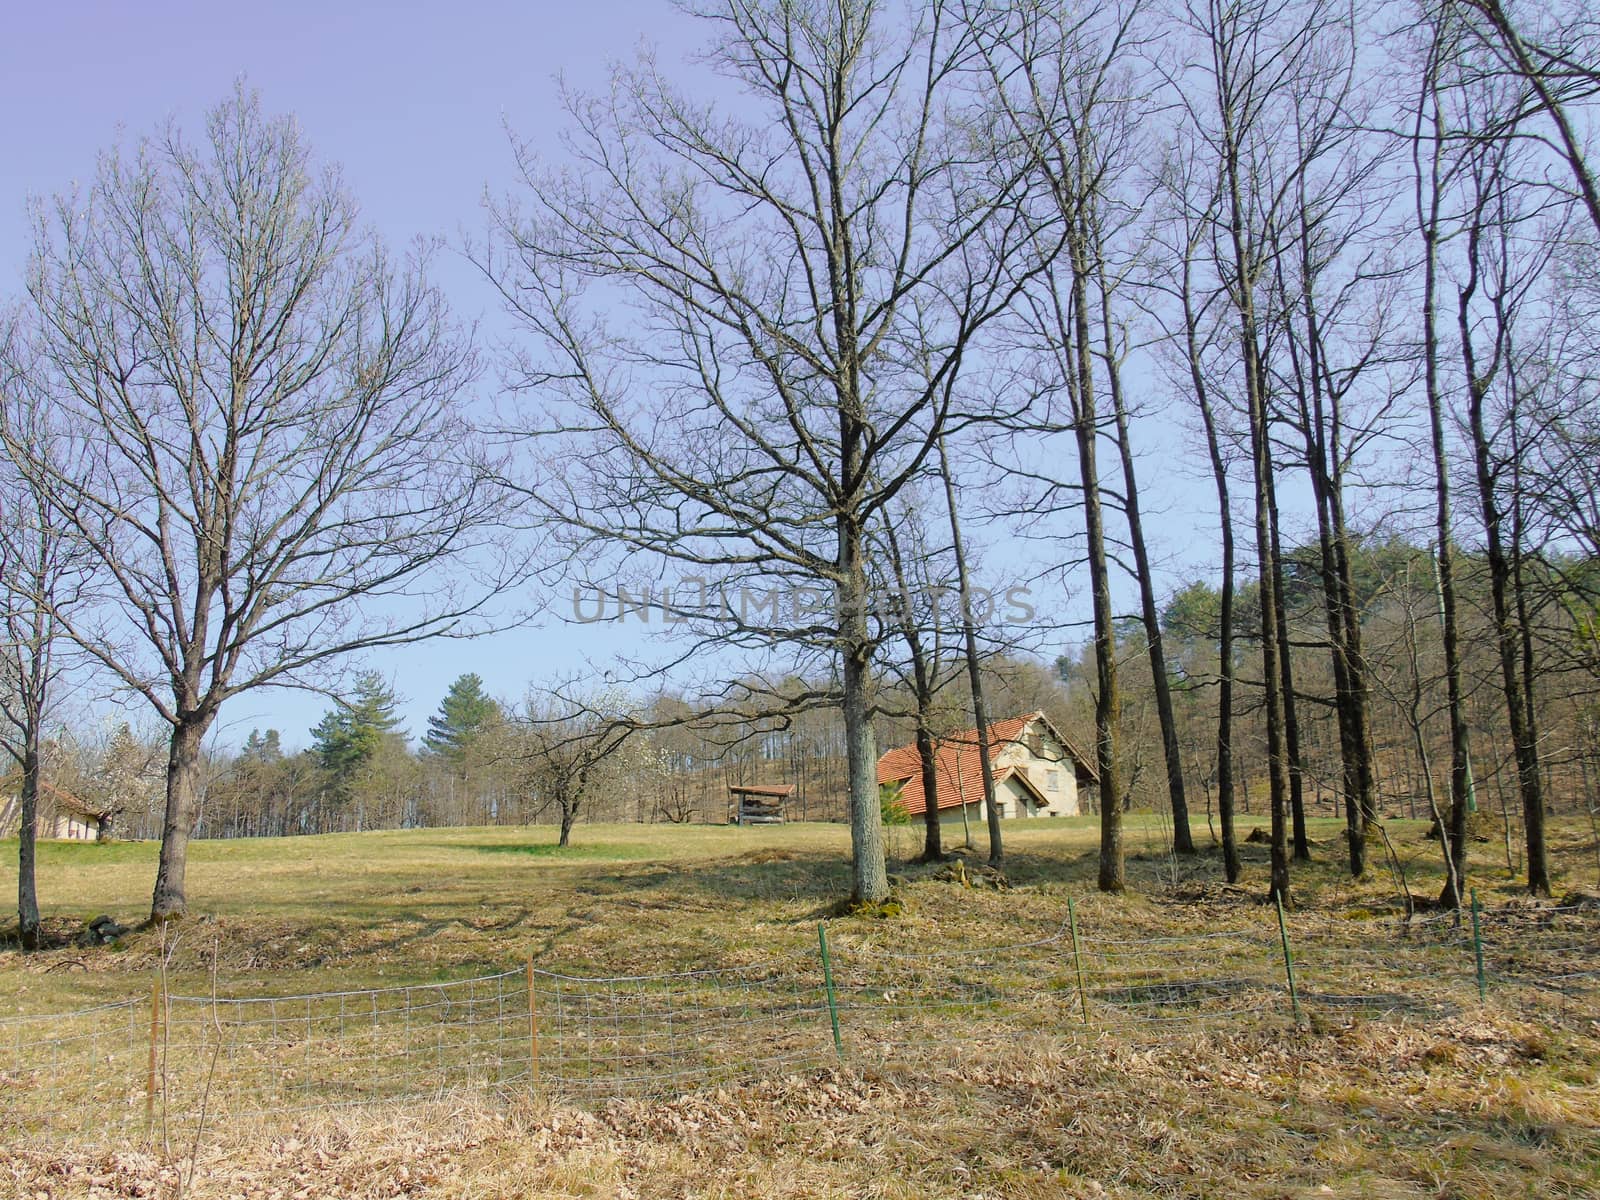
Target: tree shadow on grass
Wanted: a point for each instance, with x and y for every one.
(763, 875)
(578, 851)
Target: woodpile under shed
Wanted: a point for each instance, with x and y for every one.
(759, 805)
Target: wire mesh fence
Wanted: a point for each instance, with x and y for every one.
(145, 1066)
(76, 1071)
(232, 1057)
(666, 1034)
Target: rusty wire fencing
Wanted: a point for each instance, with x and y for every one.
(170, 1062)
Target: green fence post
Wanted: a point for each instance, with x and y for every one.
(1077, 958)
(1477, 949)
(827, 981)
(1288, 959)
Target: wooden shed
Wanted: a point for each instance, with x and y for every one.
(759, 804)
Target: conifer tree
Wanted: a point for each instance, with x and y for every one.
(464, 714)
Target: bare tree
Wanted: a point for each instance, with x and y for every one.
(1408, 690)
(41, 574)
(803, 283)
(915, 611)
(1560, 65)
(1502, 262)
(1428, 148)
(1191, 195)
(563, 747)
(1340, 368)
(263, 448)
(1062, 85)
(1172, 754)
(1253, 55)
(969, 634)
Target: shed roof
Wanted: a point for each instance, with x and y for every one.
(67, 800)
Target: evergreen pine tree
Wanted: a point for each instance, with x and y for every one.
(464, 713)
(348, 736)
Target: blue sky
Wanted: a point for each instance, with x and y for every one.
(410, 98)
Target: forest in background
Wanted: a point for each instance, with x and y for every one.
(481, 761)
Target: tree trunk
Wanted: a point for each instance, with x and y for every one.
(1352, 751)
(27, 835)
(1501, 583)
(1534, 817)
(1231, 866)
(1107, 701)
(1272, 678)
(1245, 268)
(922, 680)
(1291, 712)
(980, 715)
(1529, 783)
(1455, 839)
(932, 842)
(1182, 838)
(1349, 751)
(1415, 719)
(869, 878)
(1461, 788)
(1356, 663)
(1266, 566)
(869, 875)
(183, 794)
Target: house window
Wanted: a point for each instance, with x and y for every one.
(1052, 780)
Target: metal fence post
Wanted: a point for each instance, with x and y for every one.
(827, 981)
(533, 1031)
(1288, 959)
(156, 997)
(1077, 958)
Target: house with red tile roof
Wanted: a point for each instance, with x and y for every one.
(1038, 772)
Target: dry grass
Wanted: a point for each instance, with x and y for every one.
(1458, 1110)
(1444, 1099)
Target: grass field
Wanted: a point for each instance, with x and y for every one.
(1444, 1098)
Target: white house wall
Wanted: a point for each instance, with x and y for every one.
(72, 828)
(1064, 796)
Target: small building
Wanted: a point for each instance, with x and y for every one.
(60, 814)
(64, 816)
(759, 804)
(1037, 771)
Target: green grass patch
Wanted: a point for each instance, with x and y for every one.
(69, 854)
